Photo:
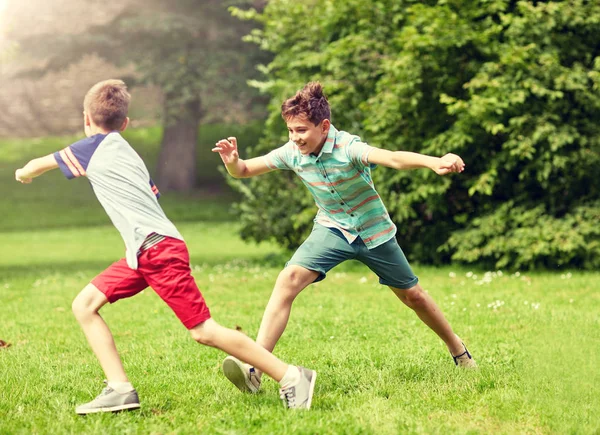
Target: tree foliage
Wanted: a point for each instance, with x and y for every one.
(511, 86)
(191, 49)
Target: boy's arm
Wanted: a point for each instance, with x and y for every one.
(35, 168)
(238, 168)
(409, 160)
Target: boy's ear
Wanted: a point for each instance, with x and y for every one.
(325, 126)
(125, 124)
(86, 119)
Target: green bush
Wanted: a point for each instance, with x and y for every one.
(527, 238)
(512, 87)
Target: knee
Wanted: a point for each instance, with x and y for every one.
(290, 282)
(204, 333)
(82, 307)
(414, 297)
(88, 302)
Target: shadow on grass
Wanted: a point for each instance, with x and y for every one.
(94, 267)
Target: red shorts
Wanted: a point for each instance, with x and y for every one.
(166, 268)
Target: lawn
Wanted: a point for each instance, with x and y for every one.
(534, 335)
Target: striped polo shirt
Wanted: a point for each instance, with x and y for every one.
(339, 179)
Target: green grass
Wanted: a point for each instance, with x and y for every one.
(381, 370)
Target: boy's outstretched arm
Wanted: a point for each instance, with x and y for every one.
(35, 168)
(409, 160)
(238, 168)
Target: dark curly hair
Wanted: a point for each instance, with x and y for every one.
(309, 102)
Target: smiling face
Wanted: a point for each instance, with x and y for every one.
(308, 137)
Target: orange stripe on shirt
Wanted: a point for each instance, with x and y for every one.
(343, 144)
(335, 183)
(369, 199)
(368, 239)
(74, 161)
(70, 165)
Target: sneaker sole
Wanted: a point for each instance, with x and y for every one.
(129, 406)
(311, 389)
(233, 370)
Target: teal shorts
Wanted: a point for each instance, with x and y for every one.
(325, 248)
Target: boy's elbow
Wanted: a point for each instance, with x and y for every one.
(237, 175)
(397, 162)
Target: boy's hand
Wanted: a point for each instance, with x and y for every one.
(448, 164)
(227, 149)
(19, 177)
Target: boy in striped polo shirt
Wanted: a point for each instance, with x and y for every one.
(156, 255)
(351, 223)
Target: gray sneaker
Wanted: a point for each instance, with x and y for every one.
(241, 375)
(300, 395)
(110, 400)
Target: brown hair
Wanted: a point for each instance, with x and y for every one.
(107, 103)
(309, 102)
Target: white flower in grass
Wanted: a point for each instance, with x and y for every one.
(499, 273)
(453, 295)
(452, 275)
(571, 301)
(478, 305)
(469, 274)
(363, 280)
(496, 304)
(526, 302)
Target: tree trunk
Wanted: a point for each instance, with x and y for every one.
(177, 159)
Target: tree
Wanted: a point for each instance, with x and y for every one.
(191, 49)
(512, 86)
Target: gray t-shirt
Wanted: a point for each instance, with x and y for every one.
(123, 186)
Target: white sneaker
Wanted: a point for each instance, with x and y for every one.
(110, 400)
(300, 396)
(465, 359)
(241, 375)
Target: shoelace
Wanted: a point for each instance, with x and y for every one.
(106, 390)
(289, 395)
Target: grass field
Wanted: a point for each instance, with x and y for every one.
(535, 336)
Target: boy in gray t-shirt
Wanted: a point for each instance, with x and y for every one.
(156, 255)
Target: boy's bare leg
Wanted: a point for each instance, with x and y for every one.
(428, 311)
(290, 282)
(297, 383)
(85, 307)
(240, 346)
